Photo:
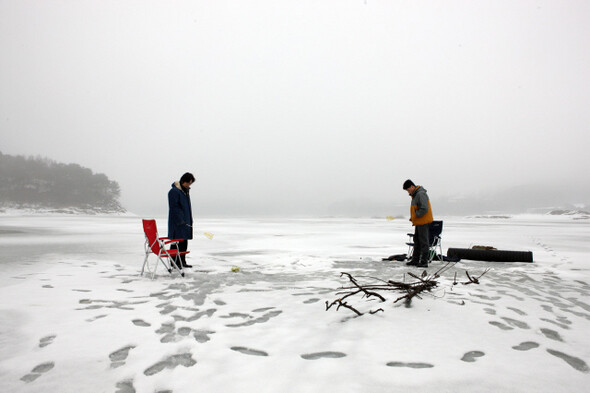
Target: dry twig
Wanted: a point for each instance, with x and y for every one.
(423, 283)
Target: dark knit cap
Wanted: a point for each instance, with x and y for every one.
(408, 183)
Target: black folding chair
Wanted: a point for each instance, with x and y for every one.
(435, 242)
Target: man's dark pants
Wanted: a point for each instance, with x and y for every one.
(182, 246)
(421, 245)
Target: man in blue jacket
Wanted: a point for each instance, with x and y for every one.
(180, 216)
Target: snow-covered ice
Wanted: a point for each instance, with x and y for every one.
(77, 317)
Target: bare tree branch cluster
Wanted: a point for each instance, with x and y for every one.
(420, 284)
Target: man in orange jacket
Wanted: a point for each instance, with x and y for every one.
(421, 216)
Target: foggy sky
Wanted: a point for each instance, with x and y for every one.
(299, 106)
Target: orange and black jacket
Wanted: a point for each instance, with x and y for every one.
(420, 210)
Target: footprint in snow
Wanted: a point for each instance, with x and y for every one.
(141, 322)
(552, 334)
(310, 301)
(45, 341)
(264, 318)
(320, 355)
(525, 346)
(563, 326)
(490, 311)
(410, 365)
(516, 323)
(472, 356)
(184, 359)
(96, 317)
(575, 362)
(516, 310)
(263, 309)
(202, 336)
(125, 386)
(38, 371)
(249, 351)
(119, 356)
(500, 325)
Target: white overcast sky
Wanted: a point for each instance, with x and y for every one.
(293, 105)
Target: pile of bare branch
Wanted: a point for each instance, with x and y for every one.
(423, 283)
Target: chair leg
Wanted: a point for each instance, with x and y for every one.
(436, 250)
(155, 269)
(172, 262)
(144, 262)
(410, 252)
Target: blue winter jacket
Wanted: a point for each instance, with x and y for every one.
(180, 214)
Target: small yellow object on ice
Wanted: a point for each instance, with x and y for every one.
(390, 218)
(235, 269)
(209, 235)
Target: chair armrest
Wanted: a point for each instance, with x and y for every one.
(173, 241)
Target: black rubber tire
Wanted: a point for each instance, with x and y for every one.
(490, 255)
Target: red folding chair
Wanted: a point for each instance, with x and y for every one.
(157, 245)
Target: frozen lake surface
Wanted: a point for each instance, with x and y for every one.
(77, 317)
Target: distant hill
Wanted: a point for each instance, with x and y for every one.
(36, 182)
(554, 198)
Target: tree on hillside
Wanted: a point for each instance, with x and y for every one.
(38, 181)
